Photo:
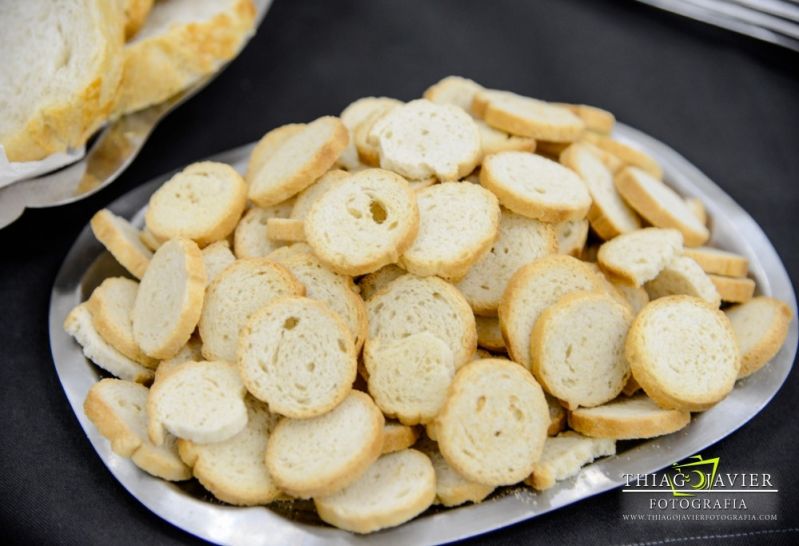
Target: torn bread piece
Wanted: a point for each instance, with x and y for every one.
(564, 455)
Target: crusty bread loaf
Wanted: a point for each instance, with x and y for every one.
(198, 401)
(111, 307)
(119, 411)
(520, 241)
(719, 262)
(121, 239)
(243, 288)
(267, 145)
(298, 161)
(564, 455)
(557, 416)
(733, 289)
(309, 195)
(181, 41)
(170, 299)
(760, 326)
(216, 258)
(628, 419)
(322, 455)
(203, 202)
(310, 354)
(532, 289)
(452, 489)
(396, 488)
(528, 117)
(78, 324)
(249, 239)
(578, 349)
(444, 244)
(136, 12)
(595, 119)
(285, 229)
(60, 76)
(639, 256)
(397, 437)
(660, 204)
(352, 117)
(409, 378)
(535, 187)
(373, 282)
(627, 153)
(683, 276)
(609, 214)
(489, 334)
(494, 424)
(571, 235)
(234, 470)
(364, 223)
(411, 305)
(422, 139)
(683, 353)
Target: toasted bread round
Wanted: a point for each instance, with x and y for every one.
(639, 256)
(719, 262)
(268, 145)
(322, 455)
(122, 240)
(352, 117)
(697, 207)
(191, 351)
(364, 223)
(532, 289)
(365, 143)
(529, 117)
(240, 290)
(309, 195)
(445, 245)
(578, 349)
(493, 426)
(170, 299)
(564, 455)
(393, 490)
(627, 153)
(760, 326)
(489, 334)
(571, 235)
(452, 489)
(249, 239)
(520, 241)
(411, 305)
(493, 141)
(285, 229)
(373, 282)
(203, 202)
(628, 419)
(298, 161)
(595, 119)
(397, 437)
(683, 276)
(149, 239)
(535, 187)
(683, 353)
(453, 90)
(216, 258)
(298, 356)
(733, 289)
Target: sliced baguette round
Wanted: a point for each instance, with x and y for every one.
(322, 455)
(760, 326)
(627, 153)
(564, 455)
(373, 282)
(683, 276)
(636, 296)
(268, 145)
(367, 145)
(216, 258)
(489, 333)
(299, 161)
(240, 290)
(191, 351)
(532, 289)
(493, 141)
(535, 187)
(394, 489)
(595, 119)
(397, 437)
(298, 356)
(719, 262)
(571, 235)
(198, 401)
(630, 418)
(412, 305)
(170, 299)
(249, 239)
(698, 208)
(352, 117)
(309, 195)
(493, 426)
(524, 116)
(639, 256)
(365, 222)
(452, 489)
(520, 241)
(683, 353)
(445, 245)
(285, 229)
(733, 289)
(660, 205)
(578, 349)
(122, 240)
(453, 90)
(149, 239)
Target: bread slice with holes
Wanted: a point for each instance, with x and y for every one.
(249, 239)
(119, 411)
(628, 418)
(397, 437)
(489, 333)
(198, 401)
(493, 426)
(452, 489)
(170, 299)
(683, 353)
(535, 187)
(216, 258)
(412, 305)
(343, 443)
(719, 262)
(639, 256)
(245, 287)
(394, 489)
(111, 307)
(564, 456)
(79, 325)
(760, 326)
(121, 239)
(444, 244)
(203, 202)
(364, 223)
(520, 240)
(309, 195)
(683, 276)
(524, 116)
(234, 470)
(373, 282)
(61, 74)
(733, 289)
(267, 145)
(311, 356)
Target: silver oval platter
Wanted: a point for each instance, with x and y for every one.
(191, 509)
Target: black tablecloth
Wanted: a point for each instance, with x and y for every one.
(728, 103)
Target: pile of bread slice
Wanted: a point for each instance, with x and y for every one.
(403, 306)
(72, 66)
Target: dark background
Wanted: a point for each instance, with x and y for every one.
(728, 103)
